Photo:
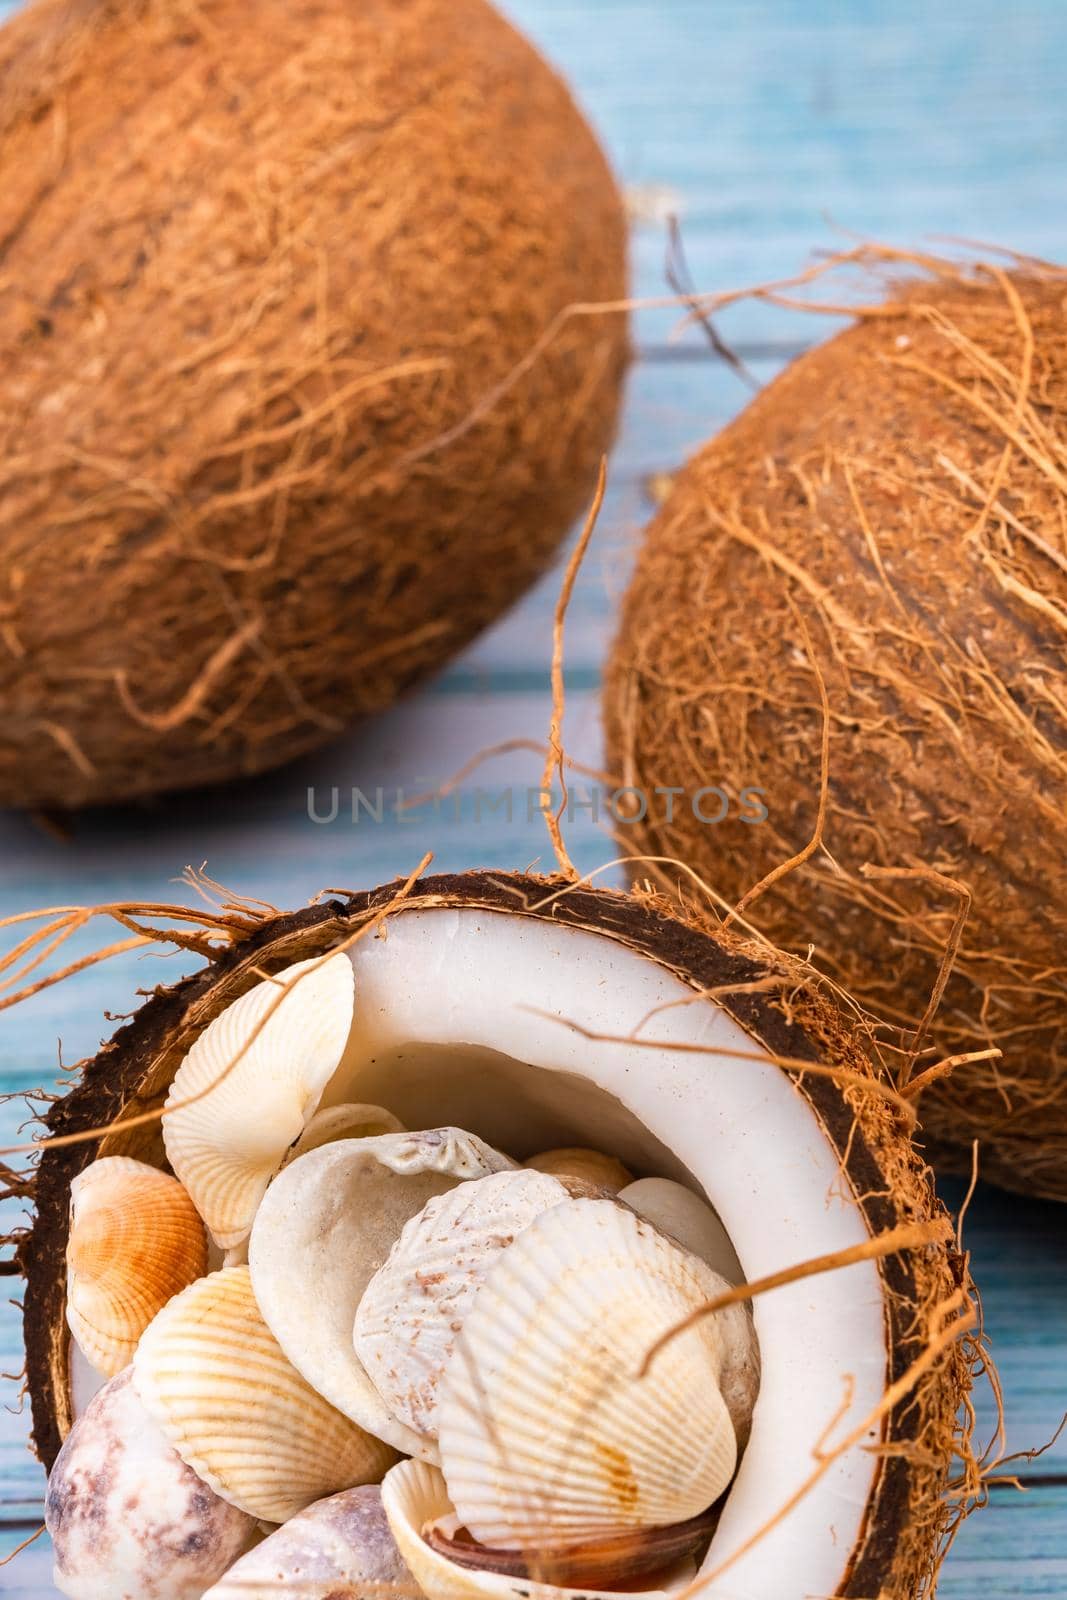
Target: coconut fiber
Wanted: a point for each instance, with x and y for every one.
(262, 262)
(926, 1475)
(874, 555)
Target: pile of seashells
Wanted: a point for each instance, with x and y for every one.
(416, 1364)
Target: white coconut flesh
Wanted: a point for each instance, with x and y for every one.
(462, 1019)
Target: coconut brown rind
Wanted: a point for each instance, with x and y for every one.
(888, 514)
(263, 260)
(908, 1513)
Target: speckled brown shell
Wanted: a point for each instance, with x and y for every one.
(125, 1513)
(338, 1549)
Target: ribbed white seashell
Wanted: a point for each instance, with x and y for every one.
(135, 1240)
(686, 1217)
(127, 1516)
(344, 1122)
(338, 1549)
(591, 1166)
(251, 1093)
(212, 1375)
(326, 1225)
(547, 1431)
(415, 1304)
(415, 1498)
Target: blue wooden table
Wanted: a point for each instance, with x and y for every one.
(764, 125)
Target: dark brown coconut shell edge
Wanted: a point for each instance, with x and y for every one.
(906, 1513)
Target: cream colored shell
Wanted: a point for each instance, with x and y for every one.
(326, 1225)
(344, 1122)
(212, 1375)
(590, 1166)
(135, 1240)
(413, 1307)
(414, 1496)
(548, 1432)
(249, 1086)
(679, 1212)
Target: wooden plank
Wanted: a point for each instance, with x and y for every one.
(1019, 1258)
(764, 118)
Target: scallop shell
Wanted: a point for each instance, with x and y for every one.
(135, 1240)
(338, 1549)
(241, 1096)
(415, 1499)
(344, 1122)
(413, 1307)
(679, 1212)
(127, 1516)
(547, 1431)
(591, 1166)
(326, 1225)
(212, 1375)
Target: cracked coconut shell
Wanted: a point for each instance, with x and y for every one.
(484, 939)
(270, 268)
(887, 519)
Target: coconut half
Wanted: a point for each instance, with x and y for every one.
(536, 1015)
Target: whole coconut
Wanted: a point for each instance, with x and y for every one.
(888, 522)
(270, 268)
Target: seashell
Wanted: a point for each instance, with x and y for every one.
(344, 1122)
(548, 1432)
(677, 1211)
(241, 1096)
(416, 1503)
(326, 1225)
(214, 1378)
(135, 1240)
(127, 1516)
(338, 1549)
(591, 1166)
(413, 1307)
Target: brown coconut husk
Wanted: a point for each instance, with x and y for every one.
(263, 261)
(929, 1477)
(856, 599)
